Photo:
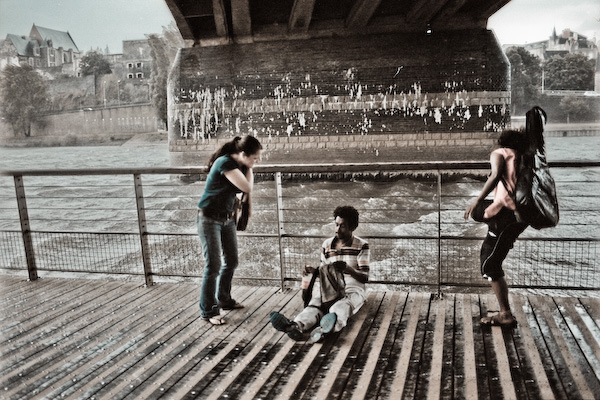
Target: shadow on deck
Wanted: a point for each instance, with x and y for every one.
(115, 340)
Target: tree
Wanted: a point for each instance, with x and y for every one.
(526, 76)
(571, 72)
(163, 50)
(574, 107)
(24, 96)
(94, 63)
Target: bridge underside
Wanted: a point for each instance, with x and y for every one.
(338, 77)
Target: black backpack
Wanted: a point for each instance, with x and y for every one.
(535, 191)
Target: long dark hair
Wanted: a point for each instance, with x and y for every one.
(248, 144)
(513, 139)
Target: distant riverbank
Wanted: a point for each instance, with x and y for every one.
(95, 140)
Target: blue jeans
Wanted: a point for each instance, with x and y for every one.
(219, 244)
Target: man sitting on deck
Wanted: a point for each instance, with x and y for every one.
(343, 272)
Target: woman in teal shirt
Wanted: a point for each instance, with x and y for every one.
(230, 172)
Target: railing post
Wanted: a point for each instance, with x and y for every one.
(281, 230)
(139, 199)
(439, 234)
(25, 228)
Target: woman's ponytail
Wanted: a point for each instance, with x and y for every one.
(231, 147)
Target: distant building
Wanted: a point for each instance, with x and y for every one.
(568, 42)
(45, 49)
(136, 60)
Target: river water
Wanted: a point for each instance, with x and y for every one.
(402, 207)
(157, 155)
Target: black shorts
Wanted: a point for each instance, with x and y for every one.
(503, 231)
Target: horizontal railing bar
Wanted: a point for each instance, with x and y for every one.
(300, 236)
(296, 168)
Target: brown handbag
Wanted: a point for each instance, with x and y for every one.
(242, 212)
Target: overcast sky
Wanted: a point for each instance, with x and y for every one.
(101, 23)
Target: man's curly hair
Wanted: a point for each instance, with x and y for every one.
(349, 214)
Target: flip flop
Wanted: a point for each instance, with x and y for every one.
(216, 320)
(493, 321)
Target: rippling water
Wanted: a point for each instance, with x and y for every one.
(403, 207)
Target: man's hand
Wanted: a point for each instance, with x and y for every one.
(340, 266)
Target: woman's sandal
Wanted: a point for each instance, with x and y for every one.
(494, 320)
(216, 320)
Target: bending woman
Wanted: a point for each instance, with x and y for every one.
(499, 215)
(229, 172)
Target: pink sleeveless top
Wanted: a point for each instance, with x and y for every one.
(509, 176)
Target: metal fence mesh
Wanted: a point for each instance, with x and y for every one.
(88, 252)
(90, 224)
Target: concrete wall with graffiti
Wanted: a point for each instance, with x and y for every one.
(395, 85)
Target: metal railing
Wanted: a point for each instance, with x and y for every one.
(143, 222)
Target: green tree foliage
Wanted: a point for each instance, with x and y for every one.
(526, 78)
(24, 96)
(574, 107)
(571, 72)
(163, 50)
(94, 63)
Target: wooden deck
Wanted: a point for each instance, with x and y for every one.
(115, 340)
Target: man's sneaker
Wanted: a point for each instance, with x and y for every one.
(282, 324)
(325, 326)
(328, 322)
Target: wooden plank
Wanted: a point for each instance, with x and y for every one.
(469, 361)
(29, 356)
(435, 383)
(179, 368)
(130, 377)
(72, 348)
(350, 338)
(144, 340)
(578, 349)
(450, 362)
(277, 360)
(479, 346)
(243, 339)
(89, 363)
(402, 367)
(265, 339)
(380, 385)
(586, 341)
(570, 375)
(127, 341)
(362, 385)
(37, 305)
(592, 307)
(489, 306)
(417, 377)
(530, 350)
(331, 355)
(503, 366)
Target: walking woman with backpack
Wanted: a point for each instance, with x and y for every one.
(500, 215)
(230, 171)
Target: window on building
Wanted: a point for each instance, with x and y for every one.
(138, 65)
(38, 62)
(139, 75)
(36, 51)
(30, 61)
(129, 76)
(130, 65)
